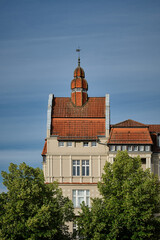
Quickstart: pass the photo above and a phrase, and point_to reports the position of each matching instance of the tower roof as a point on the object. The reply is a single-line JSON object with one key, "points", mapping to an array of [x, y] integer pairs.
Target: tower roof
{"points": [[79, 72]]}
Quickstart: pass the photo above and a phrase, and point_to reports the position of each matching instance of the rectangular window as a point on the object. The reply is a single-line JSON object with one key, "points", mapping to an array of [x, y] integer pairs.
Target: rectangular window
{"points": [[76, 167], [135, 148], [118, 148], [124, 147], [75, 228], [61, 144], [80, 196], [129, 148], [85, 167], [93, 144], [141, 148], [112, 148], [69, 144], [85, 144], [147, 148], [143, 160]]}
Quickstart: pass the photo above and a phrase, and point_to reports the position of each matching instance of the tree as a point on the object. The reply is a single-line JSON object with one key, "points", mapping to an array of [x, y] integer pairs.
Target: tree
{"points": [[32, 209], [130, 198]]}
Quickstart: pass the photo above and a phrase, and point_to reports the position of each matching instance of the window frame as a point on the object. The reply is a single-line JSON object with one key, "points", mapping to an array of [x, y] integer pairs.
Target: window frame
{"points": [[68, 144], [78, 198], [141, 148], [85, 144], [112, 148], [61, 144], [130, 148], [85, 168], [92, 144], [75, 168]]}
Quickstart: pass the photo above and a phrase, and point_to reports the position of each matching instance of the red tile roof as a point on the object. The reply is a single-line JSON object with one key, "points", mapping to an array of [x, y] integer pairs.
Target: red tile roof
{"points": [[129, 123], [78, 129], [44, 148], [154, 128], [63, 107], [78, 123], [130, 136]]}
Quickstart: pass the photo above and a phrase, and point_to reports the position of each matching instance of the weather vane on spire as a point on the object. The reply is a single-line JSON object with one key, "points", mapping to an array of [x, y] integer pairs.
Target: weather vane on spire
{"points": [[78, 50]]}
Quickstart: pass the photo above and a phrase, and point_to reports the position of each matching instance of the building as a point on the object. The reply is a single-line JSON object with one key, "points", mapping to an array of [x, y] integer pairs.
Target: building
{"points": [[80, 140]]}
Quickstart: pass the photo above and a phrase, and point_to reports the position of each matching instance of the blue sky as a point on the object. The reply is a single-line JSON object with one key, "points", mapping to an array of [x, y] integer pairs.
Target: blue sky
{"points": [[120, 42]]}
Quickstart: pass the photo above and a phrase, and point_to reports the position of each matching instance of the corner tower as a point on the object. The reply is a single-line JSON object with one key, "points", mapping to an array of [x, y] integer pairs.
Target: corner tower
{"points": [[79, 87]]}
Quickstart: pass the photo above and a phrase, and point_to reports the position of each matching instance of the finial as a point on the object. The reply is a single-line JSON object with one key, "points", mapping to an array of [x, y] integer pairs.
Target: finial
{"points": [[78, 50]]}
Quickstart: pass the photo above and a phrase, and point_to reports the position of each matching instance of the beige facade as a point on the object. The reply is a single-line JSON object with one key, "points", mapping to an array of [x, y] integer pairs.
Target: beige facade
{"points": [[76, 159]]}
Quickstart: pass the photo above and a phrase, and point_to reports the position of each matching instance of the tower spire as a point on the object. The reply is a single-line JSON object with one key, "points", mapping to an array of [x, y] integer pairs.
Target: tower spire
{"points": [[78, 50]]}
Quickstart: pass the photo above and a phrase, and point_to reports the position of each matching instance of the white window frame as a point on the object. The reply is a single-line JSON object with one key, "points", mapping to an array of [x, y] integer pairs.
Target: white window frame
{"points": [[135, 147], [85, 144], [112, 148], [79, 196], [85, 168], [93, 144], [141, 148], [147, 148], [69, 144], [124, 147], [130, 148], [60, 144], [76, 168], [118, 148]]}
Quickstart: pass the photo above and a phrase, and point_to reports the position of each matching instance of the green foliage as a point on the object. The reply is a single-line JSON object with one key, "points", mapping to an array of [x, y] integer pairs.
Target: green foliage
{"points": [[32, 209], [130, 197]]}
